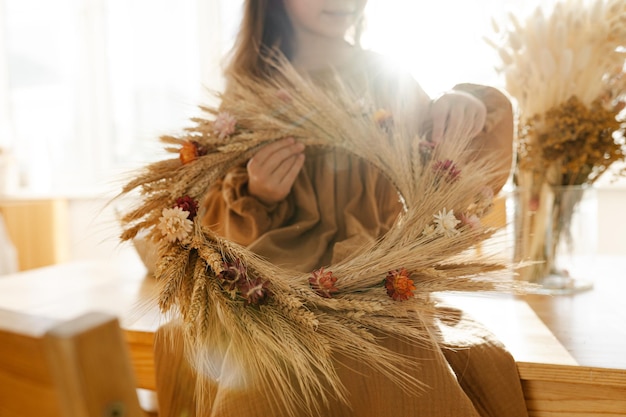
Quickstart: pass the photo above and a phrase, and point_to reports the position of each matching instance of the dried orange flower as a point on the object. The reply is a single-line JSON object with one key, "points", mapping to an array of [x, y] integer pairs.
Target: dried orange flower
{"points": [[190, 151], [399, 286], [383, 118], [323, 282]]}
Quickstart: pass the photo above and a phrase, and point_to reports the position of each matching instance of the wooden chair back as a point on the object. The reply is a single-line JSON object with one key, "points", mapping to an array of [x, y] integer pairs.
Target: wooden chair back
{"points": [[74, 368]]}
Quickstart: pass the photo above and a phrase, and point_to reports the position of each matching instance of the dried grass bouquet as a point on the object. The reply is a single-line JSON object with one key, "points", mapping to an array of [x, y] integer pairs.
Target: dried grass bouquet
{"points": [[564, 65]]}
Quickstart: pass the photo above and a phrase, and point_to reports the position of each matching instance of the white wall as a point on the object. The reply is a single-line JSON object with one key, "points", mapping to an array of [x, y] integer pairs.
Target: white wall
{"points": [[94, 229], [611, 223]]}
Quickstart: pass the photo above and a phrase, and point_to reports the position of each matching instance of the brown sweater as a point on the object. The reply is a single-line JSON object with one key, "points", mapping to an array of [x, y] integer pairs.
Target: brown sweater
{"points": [[338, 202]]}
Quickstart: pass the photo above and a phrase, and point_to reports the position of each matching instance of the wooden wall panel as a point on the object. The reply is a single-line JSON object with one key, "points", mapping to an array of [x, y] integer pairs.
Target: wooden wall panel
{"points": [[39, 230]]}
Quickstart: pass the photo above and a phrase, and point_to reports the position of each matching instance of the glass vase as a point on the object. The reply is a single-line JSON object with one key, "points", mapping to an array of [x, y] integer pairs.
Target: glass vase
{"points": [[555, 232]]}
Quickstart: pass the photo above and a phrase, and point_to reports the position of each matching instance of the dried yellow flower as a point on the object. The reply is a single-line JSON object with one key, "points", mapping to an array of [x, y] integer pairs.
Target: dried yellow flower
{"points": [[581, 141]]}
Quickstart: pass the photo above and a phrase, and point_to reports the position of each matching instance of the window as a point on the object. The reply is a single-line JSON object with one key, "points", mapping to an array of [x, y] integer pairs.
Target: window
{"points": [[86, 86], [440, 43]]}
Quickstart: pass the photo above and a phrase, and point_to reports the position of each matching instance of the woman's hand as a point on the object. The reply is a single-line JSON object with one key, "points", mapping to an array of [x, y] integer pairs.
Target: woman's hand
{"points": [[273, 170], [457, 113]]}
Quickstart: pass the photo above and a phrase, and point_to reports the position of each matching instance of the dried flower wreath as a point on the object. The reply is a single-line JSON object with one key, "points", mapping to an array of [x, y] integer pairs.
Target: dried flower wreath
{"points": [[281, 325]]}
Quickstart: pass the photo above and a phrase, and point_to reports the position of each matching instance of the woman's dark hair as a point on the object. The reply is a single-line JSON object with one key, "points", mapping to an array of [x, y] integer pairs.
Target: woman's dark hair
{"points": [[265, 27], [265, 30]]}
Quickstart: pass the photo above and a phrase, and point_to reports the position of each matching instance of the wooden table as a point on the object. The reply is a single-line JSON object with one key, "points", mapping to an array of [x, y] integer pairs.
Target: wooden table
{"points": [[591, 325], [575, 364]]}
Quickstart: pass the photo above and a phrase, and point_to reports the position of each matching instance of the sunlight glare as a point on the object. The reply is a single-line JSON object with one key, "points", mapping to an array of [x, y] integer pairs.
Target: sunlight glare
{"points": [[440, 43]]}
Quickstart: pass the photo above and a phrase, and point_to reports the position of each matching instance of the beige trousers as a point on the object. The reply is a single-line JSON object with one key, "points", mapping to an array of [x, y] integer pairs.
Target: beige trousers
{"points": [[469, 374]]}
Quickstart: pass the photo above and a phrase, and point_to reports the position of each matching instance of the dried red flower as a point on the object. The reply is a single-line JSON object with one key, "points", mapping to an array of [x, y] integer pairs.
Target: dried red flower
{"points": [[189, 205], [232, 273], [255, 291], [447, 170], [398, 285], [323, 283]]}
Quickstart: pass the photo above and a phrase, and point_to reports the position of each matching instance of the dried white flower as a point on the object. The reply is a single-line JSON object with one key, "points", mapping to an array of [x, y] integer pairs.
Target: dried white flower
{"points": [[429, 231], [174, 224], [225, 124], [446, 223]]}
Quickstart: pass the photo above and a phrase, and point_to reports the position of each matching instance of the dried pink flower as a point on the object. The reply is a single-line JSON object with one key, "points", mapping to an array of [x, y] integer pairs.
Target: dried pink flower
{"points": [[323, 283], [447, 170], [225, 124], [283, 95], [471, 220], [486, 193]]}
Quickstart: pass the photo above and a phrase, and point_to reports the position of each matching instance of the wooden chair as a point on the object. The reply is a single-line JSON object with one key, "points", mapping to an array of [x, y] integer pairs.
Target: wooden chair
{"points": [[75, 368]]}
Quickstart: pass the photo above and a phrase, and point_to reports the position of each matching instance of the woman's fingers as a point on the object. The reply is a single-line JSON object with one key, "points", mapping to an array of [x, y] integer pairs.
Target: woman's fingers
{"points": [[439, 115], [292, 171], [274, 168], [457, 113], [271, 156], [479, 120], [457, 123]]}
